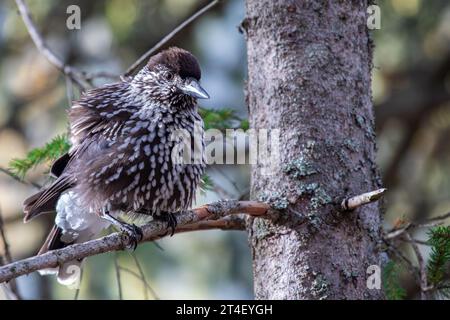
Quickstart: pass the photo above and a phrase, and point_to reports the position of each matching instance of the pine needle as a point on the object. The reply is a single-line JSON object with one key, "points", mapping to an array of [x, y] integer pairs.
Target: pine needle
{"points": [[51, 151], [222, 119], [439, 259], [391, 281]]}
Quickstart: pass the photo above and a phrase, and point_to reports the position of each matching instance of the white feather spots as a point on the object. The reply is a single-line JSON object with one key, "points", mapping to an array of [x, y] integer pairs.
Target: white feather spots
{"points": [[115, 176], [147, 150], [124, 145], [132, 169], [137, 133], [153, 162], [151, 175]]}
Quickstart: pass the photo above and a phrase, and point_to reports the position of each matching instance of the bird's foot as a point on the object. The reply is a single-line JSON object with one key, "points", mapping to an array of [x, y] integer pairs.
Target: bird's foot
{"points": [[171, 220], [132, 232]]}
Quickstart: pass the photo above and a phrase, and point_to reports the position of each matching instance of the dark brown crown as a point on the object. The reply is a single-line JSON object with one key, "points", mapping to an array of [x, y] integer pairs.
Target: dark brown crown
{"points": [[178, 60]]}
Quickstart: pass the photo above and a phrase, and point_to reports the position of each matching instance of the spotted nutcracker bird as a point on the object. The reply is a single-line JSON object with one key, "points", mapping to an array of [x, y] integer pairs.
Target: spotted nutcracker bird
{"points": [[121, 160]]}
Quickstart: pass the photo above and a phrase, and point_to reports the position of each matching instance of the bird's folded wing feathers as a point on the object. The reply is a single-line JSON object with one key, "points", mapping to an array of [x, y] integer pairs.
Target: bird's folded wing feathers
{"points": [[99, 111], [45, 200]]}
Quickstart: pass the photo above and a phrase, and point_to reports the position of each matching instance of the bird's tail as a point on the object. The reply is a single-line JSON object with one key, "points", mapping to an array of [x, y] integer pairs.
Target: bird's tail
{"points": [[68, 273], [73, 224]]}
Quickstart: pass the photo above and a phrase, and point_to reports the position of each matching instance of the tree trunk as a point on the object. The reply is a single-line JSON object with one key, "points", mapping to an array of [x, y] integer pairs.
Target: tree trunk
{"points": [[309, 68]]}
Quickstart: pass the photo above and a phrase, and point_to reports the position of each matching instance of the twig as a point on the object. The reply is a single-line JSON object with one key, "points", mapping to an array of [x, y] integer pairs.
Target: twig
{"points": [[394, 233], [119, 283], [421, 242], [69, 90], [12, 175], [412, 269], [141, 275], [72, 73], [146, 285], [439, 218], [432, 222], [117, 241], [77, 290], [357, 201], [403, 234], [164, 40], [422, 267], [143, 279], [101, 74], [8, 258], [15, 177], [12, 287]]}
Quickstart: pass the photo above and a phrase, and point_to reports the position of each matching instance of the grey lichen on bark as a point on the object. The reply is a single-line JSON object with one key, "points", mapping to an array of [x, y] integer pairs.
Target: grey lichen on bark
{"points": [[309, 75]]}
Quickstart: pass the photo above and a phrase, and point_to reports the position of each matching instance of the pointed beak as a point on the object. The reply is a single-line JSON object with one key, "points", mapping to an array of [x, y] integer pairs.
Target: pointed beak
{"points": [[193, 88]]}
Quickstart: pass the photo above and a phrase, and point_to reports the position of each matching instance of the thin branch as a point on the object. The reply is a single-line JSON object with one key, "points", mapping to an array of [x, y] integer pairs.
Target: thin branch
{"points": [[422, 267], [354, 202], [119, 283], [394, 233], [439, 218], [142, 277], [100, 75], [432, 222], [15, 177], [403, 234], [417, 241], [117, 241], [12, 287], [7, 252], [164, 40], [12, 175], [77, 290], [146, 285], [412, 269], [77, 294], [69, 90], [76, 76]]}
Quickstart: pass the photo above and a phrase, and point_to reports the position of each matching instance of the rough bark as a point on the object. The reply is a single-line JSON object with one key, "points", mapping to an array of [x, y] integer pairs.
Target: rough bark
{"points": [[309, 75]]}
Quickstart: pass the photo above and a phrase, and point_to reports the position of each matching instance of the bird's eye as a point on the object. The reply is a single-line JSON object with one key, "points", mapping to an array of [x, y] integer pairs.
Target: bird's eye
{"points": [[169, 76]]}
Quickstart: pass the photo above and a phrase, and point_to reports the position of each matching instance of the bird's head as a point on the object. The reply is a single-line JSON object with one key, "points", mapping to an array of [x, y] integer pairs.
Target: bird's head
{"points": [[173, 74]]}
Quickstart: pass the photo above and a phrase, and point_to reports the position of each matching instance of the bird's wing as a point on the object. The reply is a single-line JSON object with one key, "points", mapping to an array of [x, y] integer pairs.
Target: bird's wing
{"points": [[60, 165], [100, 111], [45, 200]]}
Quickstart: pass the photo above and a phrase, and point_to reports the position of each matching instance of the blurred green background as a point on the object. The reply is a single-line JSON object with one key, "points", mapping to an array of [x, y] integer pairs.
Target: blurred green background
{"points": [[411, 93]]}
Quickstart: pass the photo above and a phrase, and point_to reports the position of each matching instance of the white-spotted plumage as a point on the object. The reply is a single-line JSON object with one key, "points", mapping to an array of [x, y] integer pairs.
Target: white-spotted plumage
{"points": [[125, 153]]}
